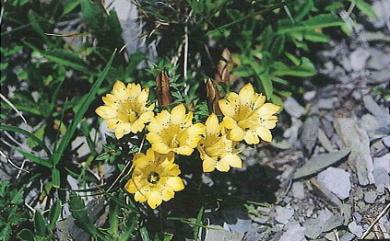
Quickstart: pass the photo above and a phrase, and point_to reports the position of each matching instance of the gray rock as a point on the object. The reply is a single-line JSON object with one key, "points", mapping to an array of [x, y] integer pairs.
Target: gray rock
{"points": [[293, 108], [379, 59], [379, 76], [370, 197], [298, 190], [381, 113], [347, 237], [324, 140], [382, 11], [319, 163], [284, 214], [309, 95], [292, 133], [356, 229], [217, 233], [358, 59], [327, 104], [381, 172], [294, 232], [386, 141], [325, 222], [356, 138], [310, 132], [81, 144], [241, 226], [336, 180], [357, 216]]}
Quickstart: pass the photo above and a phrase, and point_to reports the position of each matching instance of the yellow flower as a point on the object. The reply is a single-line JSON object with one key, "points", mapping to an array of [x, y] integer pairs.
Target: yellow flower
{"points": [[174, 132], [155, 178], [216, 151], [247, 116], [125, 109]]}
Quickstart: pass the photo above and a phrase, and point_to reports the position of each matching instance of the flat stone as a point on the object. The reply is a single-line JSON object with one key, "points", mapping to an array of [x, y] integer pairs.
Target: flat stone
{"points": [[284, 214], [324, 140], [337, 181], [298, 190], [309, 95], [356, 229], [217, 233], [370, 197], [358, 59], [347, 237], [325, 222], [386, 141], [293, 108], [356, 138], [310, 133], [319, 163], [294, 232], [381, 172]]}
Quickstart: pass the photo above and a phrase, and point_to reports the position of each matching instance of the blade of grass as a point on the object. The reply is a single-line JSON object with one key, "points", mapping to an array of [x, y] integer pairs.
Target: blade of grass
{"points": [[28, 134], [33, 158], [80, 113]]}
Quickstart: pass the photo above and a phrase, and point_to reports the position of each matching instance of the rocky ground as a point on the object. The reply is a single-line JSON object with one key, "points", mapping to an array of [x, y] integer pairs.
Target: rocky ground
{"points": [[333, 162], [326, 176]]}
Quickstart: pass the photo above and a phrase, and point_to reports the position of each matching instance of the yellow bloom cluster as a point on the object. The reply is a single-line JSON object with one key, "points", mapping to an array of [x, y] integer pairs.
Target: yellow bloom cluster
{"points": [[155, 177]]}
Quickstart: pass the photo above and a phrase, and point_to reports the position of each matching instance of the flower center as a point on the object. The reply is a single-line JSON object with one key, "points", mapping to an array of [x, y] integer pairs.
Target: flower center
{"points": [[153, 177]]}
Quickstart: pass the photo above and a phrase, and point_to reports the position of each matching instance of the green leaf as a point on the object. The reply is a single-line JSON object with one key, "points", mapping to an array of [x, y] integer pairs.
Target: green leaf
{"points": [[80, 113], [304, 69], [319, 21], [316, 37], [55, 212], [199, 223], [70, 6], [365, 8], [26, 235], [55, 178], [28, 134], [267, 84], [39, 134], [277, 46], [39, 224], [304, 9], [144, 234], [93, 14], [77, 208], [33, 18], [68, 59]]}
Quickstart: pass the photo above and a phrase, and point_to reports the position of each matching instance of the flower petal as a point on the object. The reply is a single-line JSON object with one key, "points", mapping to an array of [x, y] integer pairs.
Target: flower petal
{"points": [[212, 125], [236, 134], [119, 90], [233, 160], [251, 137], [154, 199], [264, 134], [184, 150], [223, 166], [246, 94], [178, 114], [130, 186], [229, 122], [106, 112], [139, 197], [176, 183], [167, 194], [227, 108], [122, 129], [268, 109], [209, 165]]}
